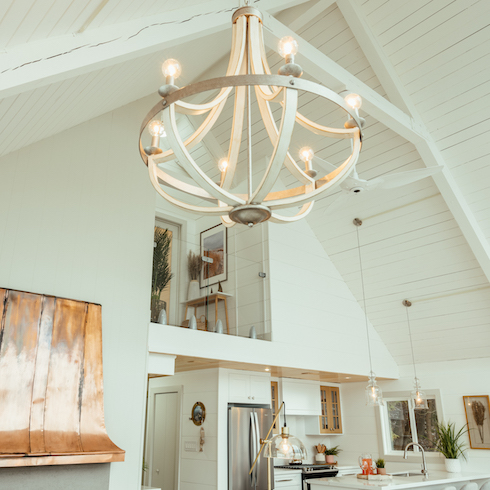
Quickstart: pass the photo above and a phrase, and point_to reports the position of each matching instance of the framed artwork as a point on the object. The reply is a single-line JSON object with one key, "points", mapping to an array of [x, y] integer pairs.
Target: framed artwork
{"points": [[477, 409], [214, 245]]}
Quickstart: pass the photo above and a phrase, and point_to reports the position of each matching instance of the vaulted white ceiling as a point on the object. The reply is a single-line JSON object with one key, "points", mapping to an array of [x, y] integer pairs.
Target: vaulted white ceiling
{"points": [[422, 69]]}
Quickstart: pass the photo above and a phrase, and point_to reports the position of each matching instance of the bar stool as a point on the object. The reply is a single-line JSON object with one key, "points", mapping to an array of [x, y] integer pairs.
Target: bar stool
{"points": [[470, 486]]}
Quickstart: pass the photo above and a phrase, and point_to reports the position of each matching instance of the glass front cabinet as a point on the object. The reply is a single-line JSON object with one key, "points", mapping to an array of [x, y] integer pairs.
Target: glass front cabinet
{"points": [[330, 421]]}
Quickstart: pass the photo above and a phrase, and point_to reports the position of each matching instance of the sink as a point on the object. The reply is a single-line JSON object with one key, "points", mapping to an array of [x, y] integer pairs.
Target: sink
{"points": [[408, 473]]}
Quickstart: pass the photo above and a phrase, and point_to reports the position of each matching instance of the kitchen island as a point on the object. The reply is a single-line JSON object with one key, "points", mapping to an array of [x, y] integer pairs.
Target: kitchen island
{"points": [[437, 480]]}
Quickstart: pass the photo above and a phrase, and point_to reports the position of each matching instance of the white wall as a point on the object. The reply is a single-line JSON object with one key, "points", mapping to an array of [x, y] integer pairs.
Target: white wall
{"points": [[76, 220], [198, 470], [312, 307]]}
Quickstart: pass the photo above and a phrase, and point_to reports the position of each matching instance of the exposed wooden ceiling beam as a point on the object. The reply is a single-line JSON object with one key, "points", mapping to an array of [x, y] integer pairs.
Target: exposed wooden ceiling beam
{"points": [[40, 63], [426, 147]]}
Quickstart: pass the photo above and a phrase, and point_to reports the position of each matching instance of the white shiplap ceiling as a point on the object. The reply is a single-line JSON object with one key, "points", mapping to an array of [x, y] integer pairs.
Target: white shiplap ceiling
{"points": [[428, 56]]}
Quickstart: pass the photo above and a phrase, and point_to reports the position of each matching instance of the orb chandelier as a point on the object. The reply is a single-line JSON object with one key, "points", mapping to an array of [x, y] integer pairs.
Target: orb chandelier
{"points": [[248, 68]]}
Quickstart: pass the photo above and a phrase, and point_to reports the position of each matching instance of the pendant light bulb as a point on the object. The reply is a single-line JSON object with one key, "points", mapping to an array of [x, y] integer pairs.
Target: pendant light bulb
{"points": [[374, 394], [418, 397]]}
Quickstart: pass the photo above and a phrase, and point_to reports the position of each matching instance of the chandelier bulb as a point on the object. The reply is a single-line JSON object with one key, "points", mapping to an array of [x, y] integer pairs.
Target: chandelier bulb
{"points": [[155, 128], [354, 101], [223, 164], [306, 154], [171, 68], [287, 46]]}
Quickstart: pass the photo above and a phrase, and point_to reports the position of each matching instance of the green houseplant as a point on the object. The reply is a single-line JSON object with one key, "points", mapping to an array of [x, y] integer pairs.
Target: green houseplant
{"points": [[161, 272], [450, 445], [331, 452], [380, 465]]}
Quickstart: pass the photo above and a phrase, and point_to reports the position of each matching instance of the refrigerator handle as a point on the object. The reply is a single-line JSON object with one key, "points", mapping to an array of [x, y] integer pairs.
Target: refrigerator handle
{"points": [[257, 469], [253, 448]]}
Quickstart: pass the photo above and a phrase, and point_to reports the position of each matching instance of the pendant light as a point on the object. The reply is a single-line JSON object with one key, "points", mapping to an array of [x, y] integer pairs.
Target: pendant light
{"points": [[418, 397], [374, 395]]}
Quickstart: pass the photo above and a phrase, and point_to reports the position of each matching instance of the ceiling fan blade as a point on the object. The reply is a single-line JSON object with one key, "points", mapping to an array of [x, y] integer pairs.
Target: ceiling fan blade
{"points": [[323, 164], [403, 178], [342, 198]]}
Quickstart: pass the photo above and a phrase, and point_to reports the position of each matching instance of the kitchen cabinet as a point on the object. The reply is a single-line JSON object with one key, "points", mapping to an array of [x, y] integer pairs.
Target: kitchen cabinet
{"points": [[301, 397], [330, 419], [287, 480], [249, 388]]}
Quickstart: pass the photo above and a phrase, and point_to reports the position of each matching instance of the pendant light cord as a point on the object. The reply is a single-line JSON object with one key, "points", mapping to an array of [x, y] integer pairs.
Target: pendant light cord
{"points": [[364, 299], [411, 343]]}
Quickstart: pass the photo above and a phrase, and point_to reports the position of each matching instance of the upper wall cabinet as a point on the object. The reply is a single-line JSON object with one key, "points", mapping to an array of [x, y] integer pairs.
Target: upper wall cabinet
{"points": [[301, 397], [330, 419], [249, 388]]}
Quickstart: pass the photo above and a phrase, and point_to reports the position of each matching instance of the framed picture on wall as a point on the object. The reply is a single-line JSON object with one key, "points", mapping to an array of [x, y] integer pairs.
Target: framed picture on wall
{"points": [[214, 245], [477, 409]]}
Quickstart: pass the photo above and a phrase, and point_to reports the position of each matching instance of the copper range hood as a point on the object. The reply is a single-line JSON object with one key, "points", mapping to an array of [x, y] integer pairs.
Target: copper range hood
{"points": [[51, 383]]}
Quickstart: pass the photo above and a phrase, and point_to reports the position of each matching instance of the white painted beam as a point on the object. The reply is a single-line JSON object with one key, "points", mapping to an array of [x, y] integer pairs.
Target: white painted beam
{"points": [[296, 22], [40, 63], [376, 56], [426, 147], [337, 78]]}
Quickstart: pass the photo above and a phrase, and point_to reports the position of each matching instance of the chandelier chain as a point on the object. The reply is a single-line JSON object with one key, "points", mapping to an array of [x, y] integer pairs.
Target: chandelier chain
{"points": [[364, 298]]}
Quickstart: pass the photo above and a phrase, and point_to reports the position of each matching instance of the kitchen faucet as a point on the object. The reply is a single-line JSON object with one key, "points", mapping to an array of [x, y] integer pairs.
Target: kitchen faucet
{"points": [[425, 472]]}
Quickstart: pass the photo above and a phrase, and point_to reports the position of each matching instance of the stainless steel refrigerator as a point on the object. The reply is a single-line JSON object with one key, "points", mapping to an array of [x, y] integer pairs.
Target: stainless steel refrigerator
{"points": [[247, 424]]}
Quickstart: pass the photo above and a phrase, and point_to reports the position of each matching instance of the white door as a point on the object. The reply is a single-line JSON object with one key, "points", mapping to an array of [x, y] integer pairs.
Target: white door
{"points": [[165, 441]]}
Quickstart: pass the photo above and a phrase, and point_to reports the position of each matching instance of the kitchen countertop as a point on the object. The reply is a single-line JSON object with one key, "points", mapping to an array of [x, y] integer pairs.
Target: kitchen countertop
{"points": [[398, 483]]}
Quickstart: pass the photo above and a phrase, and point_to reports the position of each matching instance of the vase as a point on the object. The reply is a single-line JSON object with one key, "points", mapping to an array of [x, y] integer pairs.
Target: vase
{"points": [[193, 290], [453, 465], [330, 458], [192, 323], [219, 327], [162, 317], [253, 333], [381, 471], [320, 458]]}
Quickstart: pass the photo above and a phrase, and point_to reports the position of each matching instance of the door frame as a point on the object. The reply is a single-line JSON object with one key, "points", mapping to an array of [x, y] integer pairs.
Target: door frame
{"points": [[152, 392]]}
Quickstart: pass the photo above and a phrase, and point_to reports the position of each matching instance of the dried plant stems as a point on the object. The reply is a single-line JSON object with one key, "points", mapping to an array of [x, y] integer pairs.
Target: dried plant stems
{"points": [[194, 265], [479, 415]]}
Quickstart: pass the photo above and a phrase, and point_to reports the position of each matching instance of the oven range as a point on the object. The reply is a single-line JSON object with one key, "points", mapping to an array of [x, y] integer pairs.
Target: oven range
{"points": [[310, 471]]}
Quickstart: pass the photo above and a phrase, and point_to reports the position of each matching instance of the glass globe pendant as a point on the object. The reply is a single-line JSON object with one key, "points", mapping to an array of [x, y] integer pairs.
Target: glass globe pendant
{"points": [[286, 446]]}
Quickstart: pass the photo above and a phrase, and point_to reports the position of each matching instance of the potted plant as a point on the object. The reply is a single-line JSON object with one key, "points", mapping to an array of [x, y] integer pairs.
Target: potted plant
{"points": [[380, 465], [194, 264], [161, 274], [449, 444], [330, 453]]}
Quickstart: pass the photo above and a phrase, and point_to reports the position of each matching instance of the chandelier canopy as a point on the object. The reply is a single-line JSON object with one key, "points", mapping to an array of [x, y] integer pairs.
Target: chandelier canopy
{"points": [[247, 68]]}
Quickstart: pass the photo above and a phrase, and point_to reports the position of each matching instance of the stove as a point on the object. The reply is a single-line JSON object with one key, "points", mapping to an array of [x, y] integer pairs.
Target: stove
{"points": [[310, 471]]}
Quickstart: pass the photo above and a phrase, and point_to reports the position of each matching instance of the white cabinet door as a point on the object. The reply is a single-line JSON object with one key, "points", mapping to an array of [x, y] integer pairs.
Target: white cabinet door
{"points": [[239, 388], [260, 389], [301, 397]]}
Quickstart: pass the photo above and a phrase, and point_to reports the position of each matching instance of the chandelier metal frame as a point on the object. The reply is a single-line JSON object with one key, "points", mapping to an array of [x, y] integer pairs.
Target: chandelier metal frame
{"points": [[248, 67]]}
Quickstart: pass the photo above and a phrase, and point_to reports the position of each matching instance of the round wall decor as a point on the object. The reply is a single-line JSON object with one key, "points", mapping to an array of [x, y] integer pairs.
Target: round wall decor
{"points": [[198, 414]]}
